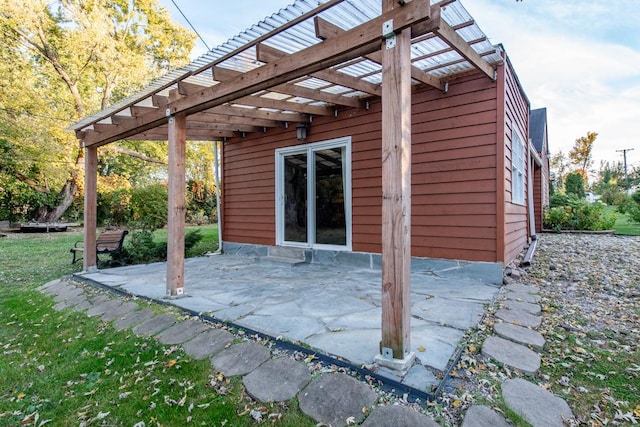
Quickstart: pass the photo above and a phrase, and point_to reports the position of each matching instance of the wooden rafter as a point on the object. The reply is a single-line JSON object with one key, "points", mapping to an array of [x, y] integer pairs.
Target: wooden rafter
{"points": [[453, 39], [326, 30], [268, 54], [253, 113], [359, 41], [224, 75]]}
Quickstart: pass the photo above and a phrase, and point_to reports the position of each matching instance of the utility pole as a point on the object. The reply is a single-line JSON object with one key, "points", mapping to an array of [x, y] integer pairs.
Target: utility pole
{"points": [[626, 176]]}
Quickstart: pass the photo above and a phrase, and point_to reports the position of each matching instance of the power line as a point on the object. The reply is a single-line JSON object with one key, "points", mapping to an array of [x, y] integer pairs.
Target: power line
{"points": [[191, 25]]}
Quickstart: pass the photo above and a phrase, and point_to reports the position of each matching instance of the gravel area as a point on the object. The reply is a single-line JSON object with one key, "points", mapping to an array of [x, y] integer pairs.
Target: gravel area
{"points": [[590, 289]]}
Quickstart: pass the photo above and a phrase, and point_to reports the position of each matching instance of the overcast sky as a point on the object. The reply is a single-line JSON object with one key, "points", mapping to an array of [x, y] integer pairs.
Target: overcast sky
{"points": [[578, 58]]}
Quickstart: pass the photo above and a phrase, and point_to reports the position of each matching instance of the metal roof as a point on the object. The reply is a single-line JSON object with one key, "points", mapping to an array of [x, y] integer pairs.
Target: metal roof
{"points": [[538, 127], [429, 53]]}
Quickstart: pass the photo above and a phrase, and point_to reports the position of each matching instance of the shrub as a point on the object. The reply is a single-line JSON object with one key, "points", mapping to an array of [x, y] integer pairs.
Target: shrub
{"points": [[114, 207], [613, 195], [558, 199], [574, 184], [579, 214], [142, 249], [149, 206]]}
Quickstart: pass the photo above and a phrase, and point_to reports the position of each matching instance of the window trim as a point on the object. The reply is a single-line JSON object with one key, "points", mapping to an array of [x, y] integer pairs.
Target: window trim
{"points": [[309, 149], [518, 168]]}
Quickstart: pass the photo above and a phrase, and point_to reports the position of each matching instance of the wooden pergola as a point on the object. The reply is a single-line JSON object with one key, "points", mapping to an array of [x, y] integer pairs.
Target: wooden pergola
{"points": [[281, 81]]}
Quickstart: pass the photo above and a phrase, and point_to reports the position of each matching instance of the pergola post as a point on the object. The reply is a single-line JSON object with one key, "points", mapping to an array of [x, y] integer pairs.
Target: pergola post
{"points": [[396, 197], [90, 206], [176, 216]]}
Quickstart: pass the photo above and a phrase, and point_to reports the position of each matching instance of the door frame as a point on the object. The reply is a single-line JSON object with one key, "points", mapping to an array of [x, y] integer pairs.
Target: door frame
{"points": [[309, 149]]}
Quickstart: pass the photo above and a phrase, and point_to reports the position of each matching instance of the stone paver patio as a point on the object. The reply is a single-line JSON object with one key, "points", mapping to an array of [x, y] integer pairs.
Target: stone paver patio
{"points": [[335, 309]]}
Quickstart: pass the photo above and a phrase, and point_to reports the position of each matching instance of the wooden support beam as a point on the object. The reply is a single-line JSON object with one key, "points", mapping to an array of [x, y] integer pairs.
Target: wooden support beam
{"points": [[325, 30], [453, 39], [161, 133], [297, 107], [119, 120], [297, 90], [396, 195], [268, 54], [356, 42], [177, 208], [138, 111], [90, 207], [209, 117], [188, 89]]}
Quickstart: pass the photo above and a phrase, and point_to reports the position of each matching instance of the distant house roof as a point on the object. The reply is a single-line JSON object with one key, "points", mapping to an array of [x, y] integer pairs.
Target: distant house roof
{"points": [[538, 127]]}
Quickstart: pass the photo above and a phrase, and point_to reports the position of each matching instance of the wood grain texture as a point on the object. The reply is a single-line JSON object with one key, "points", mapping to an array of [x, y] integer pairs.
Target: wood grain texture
{"points": [[90, 207], [177, 208]]}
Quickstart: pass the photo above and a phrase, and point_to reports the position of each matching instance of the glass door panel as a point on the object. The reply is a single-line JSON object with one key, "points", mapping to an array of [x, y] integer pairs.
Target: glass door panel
{"points": [[295, 198], [330, 216]]}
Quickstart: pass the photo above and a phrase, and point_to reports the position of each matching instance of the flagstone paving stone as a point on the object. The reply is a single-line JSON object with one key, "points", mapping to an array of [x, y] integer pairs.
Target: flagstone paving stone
{"points": [[512, 354], [70, 302], [100, 309], [277, 380], [333, 398], [519, 317], [240, 359], [523, 296], [181, 332], [536, 405], [528, 307], [520, 335], [120, 311], [208, 343], [68, 293], [155, 325], [483, 416], [133, 319]]}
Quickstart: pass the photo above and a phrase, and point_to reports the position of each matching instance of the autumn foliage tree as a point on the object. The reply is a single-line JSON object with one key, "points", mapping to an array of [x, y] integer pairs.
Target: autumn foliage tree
{"points": [[581, 154], [61, 61]]}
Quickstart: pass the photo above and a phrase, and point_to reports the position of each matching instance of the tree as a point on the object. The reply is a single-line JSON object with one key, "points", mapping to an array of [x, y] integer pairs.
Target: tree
{"points": [[581, 153], [559, 165], [574, 184], [63, 60]]}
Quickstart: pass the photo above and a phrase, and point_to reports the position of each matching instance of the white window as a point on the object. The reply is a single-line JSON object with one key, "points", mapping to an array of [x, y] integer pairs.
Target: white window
{"points": [[313, 195], [518, 157]]}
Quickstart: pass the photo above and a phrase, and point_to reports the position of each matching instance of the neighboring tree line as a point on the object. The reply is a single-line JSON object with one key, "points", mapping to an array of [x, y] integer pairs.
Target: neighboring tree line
{"points": [[63, 60], [568, 207]]}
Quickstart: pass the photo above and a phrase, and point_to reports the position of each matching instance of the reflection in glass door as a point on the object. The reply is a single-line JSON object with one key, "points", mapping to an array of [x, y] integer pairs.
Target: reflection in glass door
{"points": [[295, 198], [314, 195], [330, 219]]}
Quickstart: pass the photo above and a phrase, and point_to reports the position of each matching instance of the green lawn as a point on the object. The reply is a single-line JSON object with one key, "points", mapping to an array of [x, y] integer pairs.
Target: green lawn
{"points": [[623, 224], [64, 368]]}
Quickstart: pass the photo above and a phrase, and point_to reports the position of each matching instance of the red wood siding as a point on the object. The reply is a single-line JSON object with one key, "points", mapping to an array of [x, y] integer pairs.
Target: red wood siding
{"points": [[453, 174], [516, 117]]}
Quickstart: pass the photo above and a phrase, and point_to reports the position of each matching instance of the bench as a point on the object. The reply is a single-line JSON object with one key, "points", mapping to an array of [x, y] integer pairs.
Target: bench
{"points": [[108, 242]]}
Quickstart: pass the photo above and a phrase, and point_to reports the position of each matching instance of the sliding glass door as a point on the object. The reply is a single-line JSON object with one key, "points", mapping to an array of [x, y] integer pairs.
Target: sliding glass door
{"points": [[313, 195]]}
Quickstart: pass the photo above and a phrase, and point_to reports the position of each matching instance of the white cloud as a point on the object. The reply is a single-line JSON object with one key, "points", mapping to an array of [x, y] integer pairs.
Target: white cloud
{"points": [[568, 61]]}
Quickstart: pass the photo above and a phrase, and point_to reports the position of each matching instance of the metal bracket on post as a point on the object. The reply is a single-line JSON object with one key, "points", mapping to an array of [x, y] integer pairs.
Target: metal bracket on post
{"points": [[388, 34], [387, 353], [167, 112]]}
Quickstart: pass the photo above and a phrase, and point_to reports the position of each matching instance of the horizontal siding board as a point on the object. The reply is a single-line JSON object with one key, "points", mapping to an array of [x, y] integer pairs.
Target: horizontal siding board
{"points": [[453, 173]]}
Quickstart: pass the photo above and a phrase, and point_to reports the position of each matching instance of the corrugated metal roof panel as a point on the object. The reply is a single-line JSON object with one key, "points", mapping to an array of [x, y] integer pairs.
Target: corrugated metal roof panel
{"points": [[347, 14]]}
